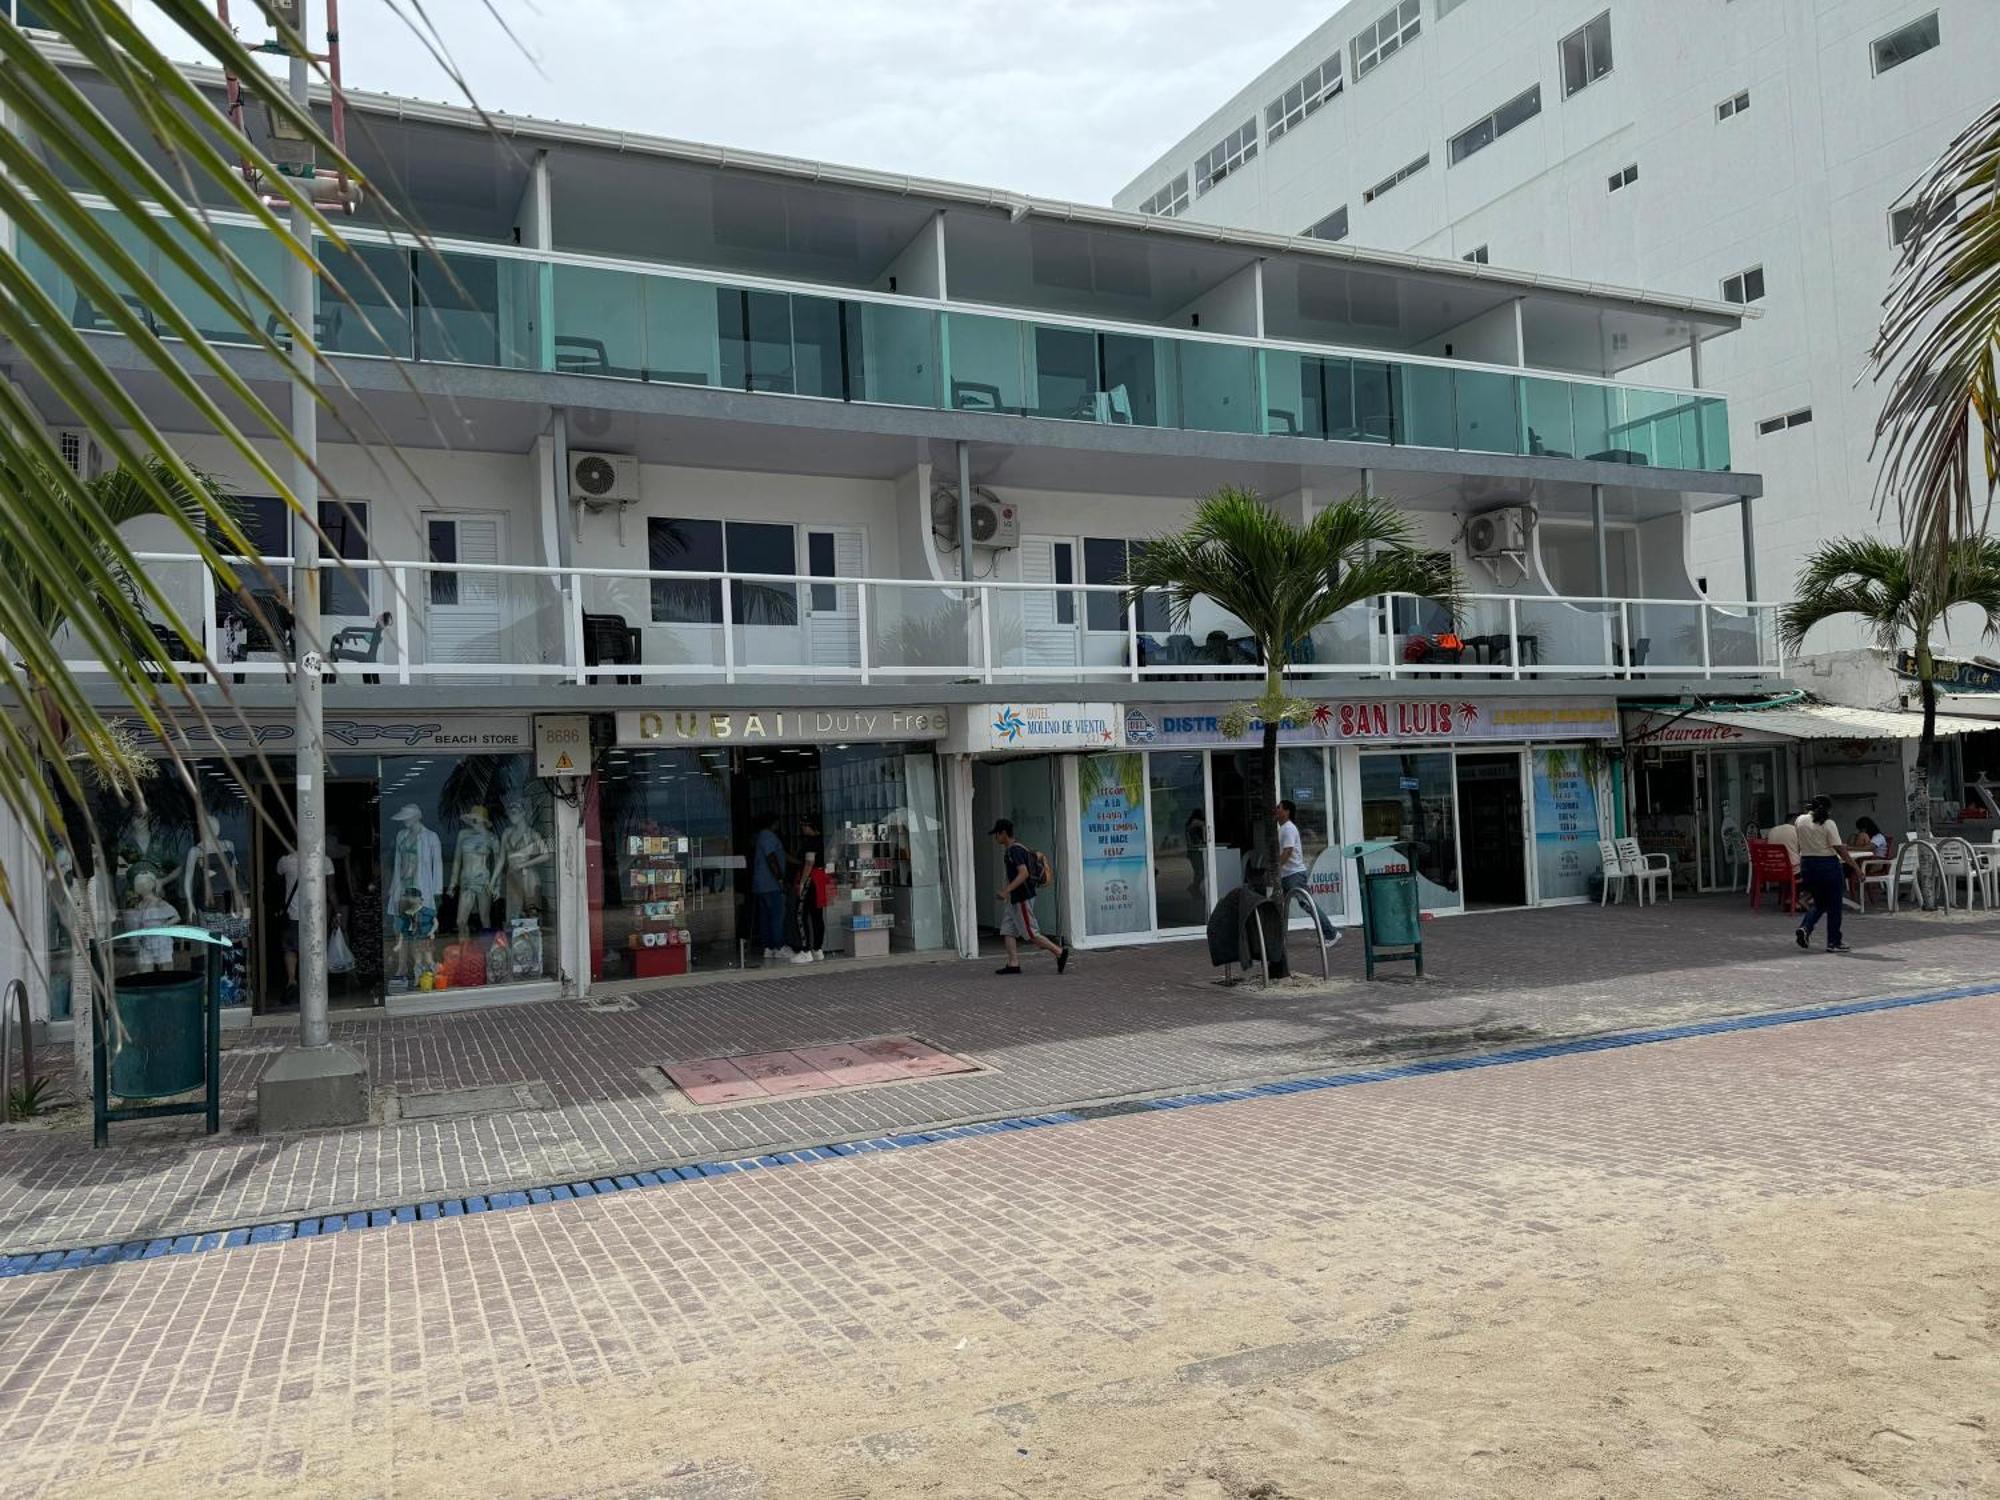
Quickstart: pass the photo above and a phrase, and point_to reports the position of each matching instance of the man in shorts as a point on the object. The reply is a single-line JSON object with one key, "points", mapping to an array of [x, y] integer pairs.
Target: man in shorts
{"points": [[1017, 901]]}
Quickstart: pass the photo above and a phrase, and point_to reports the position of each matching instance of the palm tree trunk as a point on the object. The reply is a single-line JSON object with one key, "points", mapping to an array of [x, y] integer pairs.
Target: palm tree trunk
{"points": [[1263, 815], [1930, 871]]}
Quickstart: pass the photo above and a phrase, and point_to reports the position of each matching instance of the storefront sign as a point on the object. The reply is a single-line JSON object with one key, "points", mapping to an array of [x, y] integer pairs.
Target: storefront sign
{"points": [[686, 726], [1033, 727], [562, 744], [1387, 721], [241, 734], [1116, 897], [1952, 676], [1566, 826], [1666, 729]]}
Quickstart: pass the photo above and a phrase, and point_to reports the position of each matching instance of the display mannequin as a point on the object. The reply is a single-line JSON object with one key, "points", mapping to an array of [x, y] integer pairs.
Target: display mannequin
{"points": [[475, 871], [523, 851], [415, 925], [149, 910], [139, 854], [211, 861], [416, 862]]}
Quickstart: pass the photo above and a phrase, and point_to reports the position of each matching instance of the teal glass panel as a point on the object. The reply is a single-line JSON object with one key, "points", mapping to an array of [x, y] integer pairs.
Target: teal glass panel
{"points": [[1131, 378], [1372, 401], [817, 364], [755, 329], [683, 346], [1065, 371], [1425, 410], [1219, 388], [458, 311], [1293, 401], [366, 308], [892, 354], [1551, 426], [986, 366], [1590, 405], [1712, 417], [600, 328], [1488, 416]]}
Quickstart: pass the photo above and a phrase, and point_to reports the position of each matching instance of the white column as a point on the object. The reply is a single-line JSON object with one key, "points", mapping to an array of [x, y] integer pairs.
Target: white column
{"points": [[572, 900]]}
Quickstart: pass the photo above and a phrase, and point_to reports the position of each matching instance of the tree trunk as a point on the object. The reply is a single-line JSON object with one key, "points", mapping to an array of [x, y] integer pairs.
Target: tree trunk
{"points": [[1265, 819], [1930, 870]]}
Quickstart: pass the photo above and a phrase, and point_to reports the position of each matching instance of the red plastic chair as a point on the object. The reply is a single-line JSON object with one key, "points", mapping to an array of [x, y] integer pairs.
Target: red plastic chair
{"points": [[1771, 865]]}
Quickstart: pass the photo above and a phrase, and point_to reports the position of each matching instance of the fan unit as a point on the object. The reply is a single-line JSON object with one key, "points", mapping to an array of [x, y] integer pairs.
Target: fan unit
{"points": [[995, 523], [1499, 533], [80, 451], [601, 480]]}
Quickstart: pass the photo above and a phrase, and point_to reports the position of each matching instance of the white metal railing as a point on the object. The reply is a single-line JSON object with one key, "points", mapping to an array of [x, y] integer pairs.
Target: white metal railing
{"points": [[631, 627]]}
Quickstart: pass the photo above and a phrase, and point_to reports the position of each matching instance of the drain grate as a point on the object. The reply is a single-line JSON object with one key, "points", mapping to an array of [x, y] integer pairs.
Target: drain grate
{"points": [[490, 1099], [749, 1077], [1111, 1111]]}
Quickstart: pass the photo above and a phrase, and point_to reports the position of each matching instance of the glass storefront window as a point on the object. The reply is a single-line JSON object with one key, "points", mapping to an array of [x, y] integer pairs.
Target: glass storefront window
{"points": [[1112, 795], [1302, 778], [663, 859], [1410, 798], [1176, 783]]}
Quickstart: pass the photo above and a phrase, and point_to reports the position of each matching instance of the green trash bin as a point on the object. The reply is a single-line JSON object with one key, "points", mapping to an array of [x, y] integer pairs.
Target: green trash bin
{"points": [[165, 1043], [1391, 911]]}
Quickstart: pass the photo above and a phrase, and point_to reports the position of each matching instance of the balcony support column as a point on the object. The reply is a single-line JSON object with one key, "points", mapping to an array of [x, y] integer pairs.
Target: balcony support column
{"points": [[1598, 541], [964, 510], [1749, 547]]}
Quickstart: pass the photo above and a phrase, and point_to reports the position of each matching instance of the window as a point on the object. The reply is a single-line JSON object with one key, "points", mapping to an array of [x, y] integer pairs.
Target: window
{"points": [[1744, 286], [1302, 98], [1477, 255], [1518, 110], [1395, 177], [1375, 45], [674, 545], [1904, 43], [1735, 105], [1170, 200], [1446, 7], [267, 526], [1624, 177], [1225, 156], [1797, 418], [1104, 561], [1904, 221], [1586, 54], [1332, 227]]}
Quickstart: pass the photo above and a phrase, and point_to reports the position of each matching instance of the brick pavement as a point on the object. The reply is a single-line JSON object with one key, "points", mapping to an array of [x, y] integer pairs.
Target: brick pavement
{"points": [[672, 1343], [1121, 1023]]}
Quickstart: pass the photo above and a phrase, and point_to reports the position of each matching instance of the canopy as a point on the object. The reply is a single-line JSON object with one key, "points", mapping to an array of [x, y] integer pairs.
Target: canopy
{"points": [[1832, 721]]}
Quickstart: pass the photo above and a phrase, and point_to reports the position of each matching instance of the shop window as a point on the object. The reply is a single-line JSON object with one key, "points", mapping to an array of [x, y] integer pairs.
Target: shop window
{"points": [[1412, 800], [1302, 780], [1112, 814]]}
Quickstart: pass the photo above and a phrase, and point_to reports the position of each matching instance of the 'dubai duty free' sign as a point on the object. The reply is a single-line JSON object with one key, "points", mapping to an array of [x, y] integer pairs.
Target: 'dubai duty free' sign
{"points": [[1386, 721], [695, 726]]}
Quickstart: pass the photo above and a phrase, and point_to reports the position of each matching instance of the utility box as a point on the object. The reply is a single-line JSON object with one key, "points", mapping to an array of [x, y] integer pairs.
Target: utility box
{"points": [[1391, 914]]}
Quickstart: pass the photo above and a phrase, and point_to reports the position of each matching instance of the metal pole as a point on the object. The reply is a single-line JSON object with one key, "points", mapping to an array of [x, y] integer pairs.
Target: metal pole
{"points": [[965, 512], [1597, 535], [1749, 548], [310, 784]]}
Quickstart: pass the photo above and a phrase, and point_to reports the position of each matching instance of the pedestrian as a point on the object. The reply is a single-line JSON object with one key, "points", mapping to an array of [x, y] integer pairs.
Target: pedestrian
{"points": [[1020, 879], [1292, 868], [767, 888], [1820, 859]]}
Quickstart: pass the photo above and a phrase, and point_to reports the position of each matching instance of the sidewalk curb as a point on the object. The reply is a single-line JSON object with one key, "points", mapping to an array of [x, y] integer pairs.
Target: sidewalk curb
{"points": [[312, 1226]]}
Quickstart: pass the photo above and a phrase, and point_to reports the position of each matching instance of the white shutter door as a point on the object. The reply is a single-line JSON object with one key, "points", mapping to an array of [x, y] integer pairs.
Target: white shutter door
{"points": [[465, 617], [1047, 641], [834, 633]]}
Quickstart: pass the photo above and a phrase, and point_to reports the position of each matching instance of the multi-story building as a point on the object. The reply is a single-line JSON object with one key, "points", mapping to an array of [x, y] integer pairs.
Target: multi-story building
{"points": [[1757, 152], [681, 439]]}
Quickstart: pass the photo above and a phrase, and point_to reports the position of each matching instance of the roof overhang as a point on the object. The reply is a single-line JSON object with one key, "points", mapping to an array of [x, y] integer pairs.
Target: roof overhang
{"points": [[1803, 721]]}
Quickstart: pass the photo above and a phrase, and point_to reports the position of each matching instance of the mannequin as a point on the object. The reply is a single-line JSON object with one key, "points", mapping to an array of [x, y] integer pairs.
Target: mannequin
{"points": [[523, 851], [415, 925], [139, 854], [148, 910], [475, 871], [212, 861], [416, 863]]}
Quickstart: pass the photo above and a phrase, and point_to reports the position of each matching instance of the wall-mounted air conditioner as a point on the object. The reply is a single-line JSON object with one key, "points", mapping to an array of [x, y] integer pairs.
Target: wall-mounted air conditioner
{"points": [[601, 482], [995, 523]]}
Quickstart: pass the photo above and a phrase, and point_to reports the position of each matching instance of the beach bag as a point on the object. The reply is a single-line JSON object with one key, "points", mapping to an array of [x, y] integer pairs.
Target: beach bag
{"points": [[339, 956]]}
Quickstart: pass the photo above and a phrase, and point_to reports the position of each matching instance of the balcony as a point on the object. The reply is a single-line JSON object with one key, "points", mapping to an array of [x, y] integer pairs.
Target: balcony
{"points": [[574, 315], [638, 630]]}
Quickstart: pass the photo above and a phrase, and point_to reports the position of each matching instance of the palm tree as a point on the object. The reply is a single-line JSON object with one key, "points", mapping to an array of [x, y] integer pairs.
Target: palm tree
{"points": [[1939, 340], [1903, 599], [1283, 581]]}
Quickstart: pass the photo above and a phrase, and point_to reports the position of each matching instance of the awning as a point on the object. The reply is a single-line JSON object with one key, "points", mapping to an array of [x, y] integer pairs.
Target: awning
{"points": [[1804, 721]]}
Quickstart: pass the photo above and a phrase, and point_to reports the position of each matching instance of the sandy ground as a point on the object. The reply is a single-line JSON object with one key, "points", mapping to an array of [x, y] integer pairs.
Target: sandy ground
{"points": [[1845, 1347]]}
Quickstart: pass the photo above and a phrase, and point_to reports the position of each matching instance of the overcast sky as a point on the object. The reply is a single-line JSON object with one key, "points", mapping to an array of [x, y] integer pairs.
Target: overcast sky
{"points": [[1065, 100]]}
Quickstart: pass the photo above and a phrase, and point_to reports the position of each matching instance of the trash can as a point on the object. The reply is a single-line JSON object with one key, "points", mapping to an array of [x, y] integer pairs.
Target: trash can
{"points": [[1391, 912], [166, 1035]]}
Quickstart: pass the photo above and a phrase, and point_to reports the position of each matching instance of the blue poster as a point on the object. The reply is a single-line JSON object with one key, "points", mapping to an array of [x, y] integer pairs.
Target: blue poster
{"points": [[1117, 897], [1566, 831]]}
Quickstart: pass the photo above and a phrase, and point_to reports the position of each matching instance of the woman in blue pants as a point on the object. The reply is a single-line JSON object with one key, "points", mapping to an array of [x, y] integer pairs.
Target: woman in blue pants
{"points": [[1821, 856]]}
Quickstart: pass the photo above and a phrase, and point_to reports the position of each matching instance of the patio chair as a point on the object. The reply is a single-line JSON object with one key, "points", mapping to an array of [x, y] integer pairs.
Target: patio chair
{"points": [[1960, 863], [1646, 869], [1771, 867], [1614, 872], [362, 643], [609, 641], [1891, 875]]}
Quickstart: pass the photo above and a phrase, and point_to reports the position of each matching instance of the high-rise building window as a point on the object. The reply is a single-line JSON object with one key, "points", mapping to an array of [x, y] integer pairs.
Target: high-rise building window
{"points": [[1797, 418], [1624, 177], [1446, 7], [1332, 227], [1477, 255], [1302, 98], [1396, 29], [1480, 134], [1395, 177], [1225, 156], [1904, 43], [1735, 104], [1744, 286], [1586, 54], [1169, 201]]}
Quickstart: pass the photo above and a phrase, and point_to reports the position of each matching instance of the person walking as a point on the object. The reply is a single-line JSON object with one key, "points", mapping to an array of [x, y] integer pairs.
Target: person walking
{"points": [[767, 888], [1821, 856], [1292, 873], [1017, 901]]}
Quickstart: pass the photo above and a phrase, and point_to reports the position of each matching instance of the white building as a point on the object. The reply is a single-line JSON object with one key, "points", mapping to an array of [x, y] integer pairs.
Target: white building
{"points": [[1746, 150]]}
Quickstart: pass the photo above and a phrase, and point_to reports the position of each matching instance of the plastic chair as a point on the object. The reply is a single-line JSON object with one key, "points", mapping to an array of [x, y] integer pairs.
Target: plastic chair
{"points": [[1890, 874], [1614, 871], [1960, 863], [1646, 869], [1771, 866]]}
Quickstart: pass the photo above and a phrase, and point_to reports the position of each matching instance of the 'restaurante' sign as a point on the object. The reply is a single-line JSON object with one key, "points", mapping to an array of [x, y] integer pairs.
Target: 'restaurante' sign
{"points": [[1387, 721]]}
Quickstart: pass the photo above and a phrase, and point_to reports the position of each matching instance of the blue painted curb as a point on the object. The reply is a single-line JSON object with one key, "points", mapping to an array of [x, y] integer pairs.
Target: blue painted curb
{"points": [[318, 1226]]}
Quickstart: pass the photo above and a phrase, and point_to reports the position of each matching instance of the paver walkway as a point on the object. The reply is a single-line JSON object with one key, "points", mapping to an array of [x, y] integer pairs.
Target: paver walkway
{"points": [[1756, 1263], [584, 1095]]}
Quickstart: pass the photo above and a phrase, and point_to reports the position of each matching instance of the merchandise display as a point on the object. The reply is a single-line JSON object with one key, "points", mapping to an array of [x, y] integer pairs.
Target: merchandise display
{"points": [[656, 892]]}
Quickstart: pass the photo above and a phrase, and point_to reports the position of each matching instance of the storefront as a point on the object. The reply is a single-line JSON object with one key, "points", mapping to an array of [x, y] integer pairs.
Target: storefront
{"points": [[675, 870]]}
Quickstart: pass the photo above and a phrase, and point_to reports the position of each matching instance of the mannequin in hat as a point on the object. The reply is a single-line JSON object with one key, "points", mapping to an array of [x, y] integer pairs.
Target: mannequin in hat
{"points": [[475, 870], [416, 862]]}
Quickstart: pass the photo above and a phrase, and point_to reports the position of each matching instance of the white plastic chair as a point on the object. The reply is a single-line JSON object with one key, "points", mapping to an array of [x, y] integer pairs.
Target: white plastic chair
{"points": [[1646, 869], [1961, 863], [1749, 875], [1891, 875], [1614, 871]]}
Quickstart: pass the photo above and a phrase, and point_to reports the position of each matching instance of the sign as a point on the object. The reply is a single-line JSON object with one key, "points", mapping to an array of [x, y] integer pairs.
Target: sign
{"points": [[1031, 728], [1952, 676], [1566, 826], [562, 744], [1387, 721], [464, 734], [686, 726], [1116, 895], [1655, 730]]}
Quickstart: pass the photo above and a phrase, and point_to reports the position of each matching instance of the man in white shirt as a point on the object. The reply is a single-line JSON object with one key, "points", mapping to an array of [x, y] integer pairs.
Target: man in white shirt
{"points": [[1292, 867]]}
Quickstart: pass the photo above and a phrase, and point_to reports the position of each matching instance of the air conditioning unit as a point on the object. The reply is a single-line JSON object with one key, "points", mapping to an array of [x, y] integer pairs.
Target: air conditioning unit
{"points": [[602, 480], [80, 451], [995, 523], [1499, 533]]}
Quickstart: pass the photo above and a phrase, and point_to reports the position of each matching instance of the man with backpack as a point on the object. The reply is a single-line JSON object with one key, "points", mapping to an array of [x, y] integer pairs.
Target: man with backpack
{"points": [[1023, 873]]}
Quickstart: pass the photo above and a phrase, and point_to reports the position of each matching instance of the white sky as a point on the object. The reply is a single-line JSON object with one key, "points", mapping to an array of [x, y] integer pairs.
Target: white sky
{"points": [[1066, 100]]}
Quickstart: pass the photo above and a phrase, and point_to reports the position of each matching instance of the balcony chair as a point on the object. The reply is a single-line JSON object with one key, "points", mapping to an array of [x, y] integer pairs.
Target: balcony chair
{"points": [[1282, 423], [258, 613], [166, 645], [1771, 866], [362, 643], [326, 325], [609, 642], [1641, 649], [979, 395], [1647, 869]]}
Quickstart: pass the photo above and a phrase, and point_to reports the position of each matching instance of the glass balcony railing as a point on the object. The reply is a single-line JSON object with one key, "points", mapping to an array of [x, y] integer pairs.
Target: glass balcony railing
{"points": [[631, 323]]}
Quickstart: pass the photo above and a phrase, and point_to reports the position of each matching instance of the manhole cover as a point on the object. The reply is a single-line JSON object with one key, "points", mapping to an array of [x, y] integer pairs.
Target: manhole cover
{"points": [[493, 1099], [748, 1076]]}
